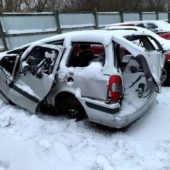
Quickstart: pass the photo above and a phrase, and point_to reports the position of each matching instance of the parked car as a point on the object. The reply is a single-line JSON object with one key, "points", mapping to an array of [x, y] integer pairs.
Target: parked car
{"points": [[101, 75], [160, 27]]}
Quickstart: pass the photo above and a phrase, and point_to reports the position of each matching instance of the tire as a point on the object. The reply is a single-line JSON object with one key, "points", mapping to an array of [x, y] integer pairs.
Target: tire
{"points": [[72, 107], [167, 80]]}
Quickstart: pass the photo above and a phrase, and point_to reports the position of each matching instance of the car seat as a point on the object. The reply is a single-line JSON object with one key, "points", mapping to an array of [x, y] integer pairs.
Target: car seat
{"points": [[84, 58]]}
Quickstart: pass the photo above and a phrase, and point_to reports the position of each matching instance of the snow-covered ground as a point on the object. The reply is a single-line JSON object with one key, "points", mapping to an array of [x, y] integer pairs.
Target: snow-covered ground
{"points": [[31, 142]]}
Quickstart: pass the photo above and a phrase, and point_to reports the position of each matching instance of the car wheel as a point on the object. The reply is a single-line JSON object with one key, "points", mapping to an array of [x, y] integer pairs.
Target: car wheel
{"points": [[72, 107], [167, 82]]}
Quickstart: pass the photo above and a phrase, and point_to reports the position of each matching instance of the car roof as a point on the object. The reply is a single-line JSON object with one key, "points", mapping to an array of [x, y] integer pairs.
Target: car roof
{"points": [[97, 36], [101, 36], [161, 25]]}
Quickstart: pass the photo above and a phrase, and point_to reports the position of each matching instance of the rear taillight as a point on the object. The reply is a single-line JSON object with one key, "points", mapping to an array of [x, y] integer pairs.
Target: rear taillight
{"points": [[115, 88]]}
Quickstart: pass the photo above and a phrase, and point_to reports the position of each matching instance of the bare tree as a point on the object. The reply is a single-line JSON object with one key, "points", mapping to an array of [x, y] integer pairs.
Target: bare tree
{"points": [[82, 5], [154, 5], [10, 5], [43, 5], [115, 5], [1, 5]]}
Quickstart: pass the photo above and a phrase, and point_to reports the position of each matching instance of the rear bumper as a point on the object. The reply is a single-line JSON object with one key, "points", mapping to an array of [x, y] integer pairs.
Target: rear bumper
{"points": [[109, 110], [111, 115]]}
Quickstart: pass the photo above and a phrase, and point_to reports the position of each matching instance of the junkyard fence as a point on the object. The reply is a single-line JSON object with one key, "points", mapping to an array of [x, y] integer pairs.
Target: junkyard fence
{"points": [[17, 28]]}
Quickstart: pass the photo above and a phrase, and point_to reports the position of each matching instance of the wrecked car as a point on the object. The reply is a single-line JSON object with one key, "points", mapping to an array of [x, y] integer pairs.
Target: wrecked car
{"points": [[100, 75]]}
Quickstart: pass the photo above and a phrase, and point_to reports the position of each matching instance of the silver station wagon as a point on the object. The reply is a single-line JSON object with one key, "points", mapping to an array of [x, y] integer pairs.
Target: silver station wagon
{"points": [[100, 75]]}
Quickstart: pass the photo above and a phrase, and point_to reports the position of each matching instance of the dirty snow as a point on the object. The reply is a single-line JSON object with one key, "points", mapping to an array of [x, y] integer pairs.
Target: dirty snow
{"points": [[41, 142]]}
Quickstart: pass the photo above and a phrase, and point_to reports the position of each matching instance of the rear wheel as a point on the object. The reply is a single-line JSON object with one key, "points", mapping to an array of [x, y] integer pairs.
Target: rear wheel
{"points": [[69, 105], [167, 82]]}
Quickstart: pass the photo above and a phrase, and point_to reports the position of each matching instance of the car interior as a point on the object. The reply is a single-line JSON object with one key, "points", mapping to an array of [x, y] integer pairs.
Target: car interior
{"points": [[42, 59], [8, 63], [84, 53]]}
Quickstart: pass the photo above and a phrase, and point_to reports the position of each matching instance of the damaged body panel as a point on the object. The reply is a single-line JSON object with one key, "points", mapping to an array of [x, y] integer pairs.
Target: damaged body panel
{"points": [[95, 74], [27, 85]]}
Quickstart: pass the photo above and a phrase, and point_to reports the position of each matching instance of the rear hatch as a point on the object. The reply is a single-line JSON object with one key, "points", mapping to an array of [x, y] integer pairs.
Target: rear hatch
{"points": [[141, 73], [151, 62]]}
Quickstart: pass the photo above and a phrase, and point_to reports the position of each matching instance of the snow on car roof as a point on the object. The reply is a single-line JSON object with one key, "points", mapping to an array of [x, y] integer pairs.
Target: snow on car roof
{"points": [[132, 30], [101, 36], [161, 24], [147, 21], [86, 36], [137, 22]]}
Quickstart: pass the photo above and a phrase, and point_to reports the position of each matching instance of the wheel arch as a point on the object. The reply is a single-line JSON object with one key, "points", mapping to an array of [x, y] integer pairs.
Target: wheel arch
{"points": [[64, 95]]}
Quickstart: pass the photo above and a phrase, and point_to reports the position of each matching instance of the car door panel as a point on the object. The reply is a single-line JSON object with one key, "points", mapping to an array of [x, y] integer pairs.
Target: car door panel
{"points": [[4, 88], [85, 69], [29, 90], [93, 84]]}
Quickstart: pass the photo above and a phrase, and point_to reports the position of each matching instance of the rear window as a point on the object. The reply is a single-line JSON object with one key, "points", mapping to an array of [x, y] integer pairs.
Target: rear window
{"points": [[151, 26], [140, 25]]}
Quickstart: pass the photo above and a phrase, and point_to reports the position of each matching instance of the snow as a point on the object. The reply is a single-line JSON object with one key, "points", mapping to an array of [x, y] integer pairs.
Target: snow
{"points": [[49, 29], [162, 25], [34, 142], [77, 26], [78, 93], [30, 31]]}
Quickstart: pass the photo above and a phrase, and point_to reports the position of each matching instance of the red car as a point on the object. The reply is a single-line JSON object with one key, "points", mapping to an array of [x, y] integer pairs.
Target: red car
{"points": [[165, 35]]}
